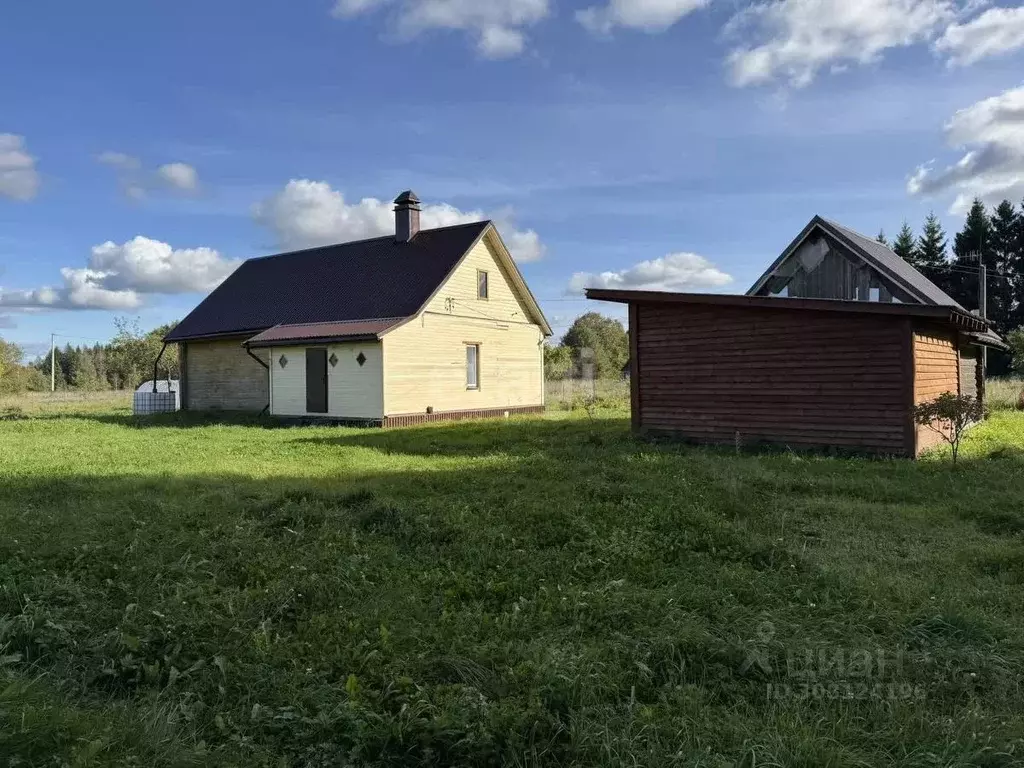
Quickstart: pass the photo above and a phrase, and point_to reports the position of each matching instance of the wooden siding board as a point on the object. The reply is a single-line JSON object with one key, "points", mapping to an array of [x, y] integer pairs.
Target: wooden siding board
{"points": [[426, 357], [353, 391], [426, 365], [634, 362], [936, 371], [709, 373]]}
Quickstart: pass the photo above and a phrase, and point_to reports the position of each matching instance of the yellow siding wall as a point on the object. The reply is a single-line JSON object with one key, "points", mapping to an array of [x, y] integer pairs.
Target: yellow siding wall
{"points": [[353, 392], [458, 296], [220, 376], [425, 365], [425, 359]]}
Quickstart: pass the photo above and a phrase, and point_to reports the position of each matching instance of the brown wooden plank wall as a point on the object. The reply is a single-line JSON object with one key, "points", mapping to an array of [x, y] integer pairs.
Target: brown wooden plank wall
{"points": [[936, 371], [718, 374]]}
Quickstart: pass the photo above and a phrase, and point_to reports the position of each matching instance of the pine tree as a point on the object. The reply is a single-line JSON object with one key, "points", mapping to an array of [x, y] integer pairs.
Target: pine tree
{"points": [[882, 238], [1016, 272], [905, 246], [932, 258], [972, 243], [1004, 244]]}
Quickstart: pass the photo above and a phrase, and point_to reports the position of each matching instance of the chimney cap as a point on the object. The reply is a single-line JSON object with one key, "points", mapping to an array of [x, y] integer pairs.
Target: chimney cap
{"points": [[407, 198]]}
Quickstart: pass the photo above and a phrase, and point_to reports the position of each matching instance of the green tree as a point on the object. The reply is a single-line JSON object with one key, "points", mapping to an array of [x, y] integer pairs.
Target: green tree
{"points": [[85, 375], [130, 358], [906, 245], [1016, 342], [1004, 245], [557, 362], [605, 337], [1015, 272], [932, 257], [10, 359], [882, 238], [972, 243]]}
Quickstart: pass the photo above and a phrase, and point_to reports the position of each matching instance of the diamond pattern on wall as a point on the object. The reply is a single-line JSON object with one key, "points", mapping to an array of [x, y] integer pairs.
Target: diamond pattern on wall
{"points": [[283, 361], [361, 359], [333, 360]]}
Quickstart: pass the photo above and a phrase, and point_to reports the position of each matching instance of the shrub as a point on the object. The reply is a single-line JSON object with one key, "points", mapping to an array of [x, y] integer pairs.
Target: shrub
{"points": [[950, 416]]}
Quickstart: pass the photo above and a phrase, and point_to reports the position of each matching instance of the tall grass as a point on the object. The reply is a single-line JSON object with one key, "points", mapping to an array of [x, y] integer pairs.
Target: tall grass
{"points": [[572, 394], [66, 401], [1004, 394], [543, 591]]}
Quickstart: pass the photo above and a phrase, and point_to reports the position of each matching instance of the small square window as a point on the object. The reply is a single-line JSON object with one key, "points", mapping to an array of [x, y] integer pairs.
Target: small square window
{"points": [[481, 284], [333, 360], [361, 359], [472, 366], [283, 362]]}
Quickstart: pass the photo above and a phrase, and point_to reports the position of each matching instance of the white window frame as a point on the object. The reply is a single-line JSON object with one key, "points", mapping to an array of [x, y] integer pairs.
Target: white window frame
{"points": [[472, 366]]}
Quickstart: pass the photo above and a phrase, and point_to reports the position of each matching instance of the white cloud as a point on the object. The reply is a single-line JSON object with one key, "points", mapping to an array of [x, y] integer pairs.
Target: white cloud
{"points": [[496, 26], [793, 40], [119, 160], [117, 276], [82, 289], [136, 182], [647, 15], [149, 266], [307, 213], [992, 168], [180, 176], [675, 272], [996, 31], [19, 179]]}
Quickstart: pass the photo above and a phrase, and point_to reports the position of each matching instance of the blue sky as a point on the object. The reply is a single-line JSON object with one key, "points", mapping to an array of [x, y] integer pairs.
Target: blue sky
{"points": [[146, 148]]}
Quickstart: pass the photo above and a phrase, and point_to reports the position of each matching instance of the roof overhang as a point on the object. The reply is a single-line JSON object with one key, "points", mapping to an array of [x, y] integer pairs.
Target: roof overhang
{"points": [[171, 338], [964, 321], [323, 333]]}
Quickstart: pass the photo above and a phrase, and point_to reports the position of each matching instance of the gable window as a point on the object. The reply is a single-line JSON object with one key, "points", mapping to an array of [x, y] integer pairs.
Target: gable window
{"points": [[481, 284], [472, 366]]}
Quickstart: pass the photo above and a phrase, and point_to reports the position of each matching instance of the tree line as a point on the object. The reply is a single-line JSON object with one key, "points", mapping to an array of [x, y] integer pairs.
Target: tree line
{"points": [[123, 363], [993, 238]]}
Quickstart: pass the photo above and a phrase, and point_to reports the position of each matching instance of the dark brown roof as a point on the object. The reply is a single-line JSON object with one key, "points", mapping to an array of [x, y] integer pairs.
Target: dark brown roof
{"points": [[953, 315], [873, 253], [363, 280], [322, 333]]}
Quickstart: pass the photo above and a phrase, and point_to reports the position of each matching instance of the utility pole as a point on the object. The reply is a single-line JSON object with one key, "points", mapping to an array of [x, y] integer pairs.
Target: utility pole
{"points": [[53, 363], [983, 306]]}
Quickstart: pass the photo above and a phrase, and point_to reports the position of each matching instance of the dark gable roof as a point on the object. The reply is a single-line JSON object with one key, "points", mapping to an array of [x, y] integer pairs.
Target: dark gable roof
{"points": [[888, 262], [873, 253], [364, 280]]}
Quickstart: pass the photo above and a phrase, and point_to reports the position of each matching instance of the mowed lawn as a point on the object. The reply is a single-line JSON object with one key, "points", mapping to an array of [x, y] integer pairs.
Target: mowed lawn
{"points": [[535, 592]]}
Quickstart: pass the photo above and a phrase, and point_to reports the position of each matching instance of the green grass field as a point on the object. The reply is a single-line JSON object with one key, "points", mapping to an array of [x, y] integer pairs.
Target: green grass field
{"points": [[533, 592]]}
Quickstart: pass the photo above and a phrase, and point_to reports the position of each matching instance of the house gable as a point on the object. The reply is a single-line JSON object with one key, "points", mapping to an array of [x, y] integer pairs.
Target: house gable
{"points": [[828, 261], [508, 298]]}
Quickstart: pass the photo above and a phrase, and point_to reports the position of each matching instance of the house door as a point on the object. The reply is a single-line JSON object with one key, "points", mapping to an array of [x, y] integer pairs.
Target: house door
{"points": [[316, 381]]}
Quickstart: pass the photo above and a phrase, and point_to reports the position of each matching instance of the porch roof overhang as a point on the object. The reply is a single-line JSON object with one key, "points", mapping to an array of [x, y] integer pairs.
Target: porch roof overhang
{"points": [[323, 333]]}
